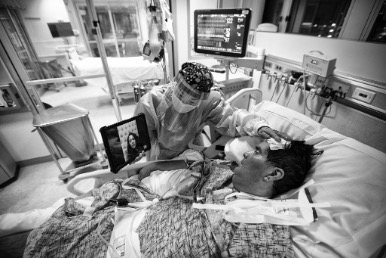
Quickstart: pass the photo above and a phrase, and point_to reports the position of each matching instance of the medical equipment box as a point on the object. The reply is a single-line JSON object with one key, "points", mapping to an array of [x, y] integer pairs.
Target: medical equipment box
{"points": [[318, 64]]}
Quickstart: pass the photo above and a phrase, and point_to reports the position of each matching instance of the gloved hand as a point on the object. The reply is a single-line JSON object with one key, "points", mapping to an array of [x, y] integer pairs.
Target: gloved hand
{"points": [[267, 132]]}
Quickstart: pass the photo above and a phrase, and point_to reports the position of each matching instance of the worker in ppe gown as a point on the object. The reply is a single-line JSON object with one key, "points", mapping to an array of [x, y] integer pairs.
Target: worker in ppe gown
{"points": [[176, 114]]}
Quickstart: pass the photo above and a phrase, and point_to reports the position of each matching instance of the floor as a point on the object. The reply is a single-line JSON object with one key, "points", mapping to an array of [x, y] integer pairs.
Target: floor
{"points": [[34, 187], [93, 98], [38, 186]]}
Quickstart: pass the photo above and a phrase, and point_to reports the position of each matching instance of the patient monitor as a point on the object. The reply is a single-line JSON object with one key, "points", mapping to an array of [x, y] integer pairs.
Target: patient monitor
{"points": [[223, 33]]}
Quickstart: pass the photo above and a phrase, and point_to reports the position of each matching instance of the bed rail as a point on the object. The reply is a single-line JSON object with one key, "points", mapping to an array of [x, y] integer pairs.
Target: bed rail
{"points": [[104, 175]]}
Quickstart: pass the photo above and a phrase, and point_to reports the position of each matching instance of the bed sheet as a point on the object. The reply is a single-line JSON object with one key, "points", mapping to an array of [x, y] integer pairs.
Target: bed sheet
{"points": [[350, 176], [123, 69]]}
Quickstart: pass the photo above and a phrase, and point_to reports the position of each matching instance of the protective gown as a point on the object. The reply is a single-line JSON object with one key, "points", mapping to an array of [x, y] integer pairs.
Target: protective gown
{"points": [[171, 132]]}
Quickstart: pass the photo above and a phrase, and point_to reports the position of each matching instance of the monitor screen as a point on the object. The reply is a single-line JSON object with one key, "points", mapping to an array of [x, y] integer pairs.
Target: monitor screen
{"points": [[221, 31], [60, 29]]}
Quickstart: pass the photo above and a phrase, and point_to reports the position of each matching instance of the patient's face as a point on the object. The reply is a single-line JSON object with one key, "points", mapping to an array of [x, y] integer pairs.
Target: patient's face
{"points": [[253, 167]]}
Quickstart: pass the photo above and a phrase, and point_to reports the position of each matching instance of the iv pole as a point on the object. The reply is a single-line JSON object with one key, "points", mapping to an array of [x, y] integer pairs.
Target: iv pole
{"points": [[102, 52]]}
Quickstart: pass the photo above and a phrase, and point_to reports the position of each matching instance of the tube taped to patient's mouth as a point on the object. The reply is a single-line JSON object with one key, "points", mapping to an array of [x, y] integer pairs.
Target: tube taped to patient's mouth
{"points": [[251, 209]]}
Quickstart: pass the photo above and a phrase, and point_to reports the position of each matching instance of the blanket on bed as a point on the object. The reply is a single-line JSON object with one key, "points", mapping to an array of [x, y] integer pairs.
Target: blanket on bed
{"points": [[171, 228], [69, 233]]}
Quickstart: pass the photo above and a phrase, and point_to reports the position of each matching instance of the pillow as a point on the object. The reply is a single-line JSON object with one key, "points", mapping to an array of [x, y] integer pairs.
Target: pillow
{"points": [[73, 55], [350, 175]]}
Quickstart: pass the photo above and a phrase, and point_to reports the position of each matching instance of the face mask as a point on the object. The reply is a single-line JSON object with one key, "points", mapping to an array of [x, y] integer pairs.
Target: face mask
{"points": [[180, 106]]}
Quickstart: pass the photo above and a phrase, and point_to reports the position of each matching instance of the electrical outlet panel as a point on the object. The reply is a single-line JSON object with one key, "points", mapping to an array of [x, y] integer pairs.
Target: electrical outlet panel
{"points": [[340, 87], [278, 68], [363, 95]]}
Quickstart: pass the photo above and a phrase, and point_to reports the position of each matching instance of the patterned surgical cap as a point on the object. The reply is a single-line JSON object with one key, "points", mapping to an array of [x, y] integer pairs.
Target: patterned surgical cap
{"points": [[198, 76]]}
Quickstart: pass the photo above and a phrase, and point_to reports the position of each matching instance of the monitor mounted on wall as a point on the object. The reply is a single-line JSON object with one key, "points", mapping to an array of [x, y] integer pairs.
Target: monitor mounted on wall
{"points": [[222, 32], [60, 29]]}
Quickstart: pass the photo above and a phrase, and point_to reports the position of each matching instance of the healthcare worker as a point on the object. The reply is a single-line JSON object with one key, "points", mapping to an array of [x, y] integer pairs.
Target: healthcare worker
{"points": [[176, 114]]}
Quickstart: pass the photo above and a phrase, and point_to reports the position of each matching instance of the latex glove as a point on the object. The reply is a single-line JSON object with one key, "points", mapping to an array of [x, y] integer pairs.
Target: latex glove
{"points": [[267, 132]]}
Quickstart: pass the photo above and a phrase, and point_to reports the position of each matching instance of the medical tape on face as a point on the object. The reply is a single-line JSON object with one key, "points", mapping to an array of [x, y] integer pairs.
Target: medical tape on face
{"points": [[274, 145]]}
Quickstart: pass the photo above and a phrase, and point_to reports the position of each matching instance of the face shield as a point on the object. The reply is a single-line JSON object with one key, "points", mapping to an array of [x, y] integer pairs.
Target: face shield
{"points": [[180, 106], [192, 85], [184, 97]]}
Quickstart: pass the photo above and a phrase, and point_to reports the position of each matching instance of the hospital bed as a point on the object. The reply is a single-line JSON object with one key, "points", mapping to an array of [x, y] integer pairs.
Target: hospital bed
{"points": [[350, 175], [123, 69]]}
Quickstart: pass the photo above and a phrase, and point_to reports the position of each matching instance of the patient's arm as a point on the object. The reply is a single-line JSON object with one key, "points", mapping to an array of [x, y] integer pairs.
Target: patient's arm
{"points": [[161, 165]]}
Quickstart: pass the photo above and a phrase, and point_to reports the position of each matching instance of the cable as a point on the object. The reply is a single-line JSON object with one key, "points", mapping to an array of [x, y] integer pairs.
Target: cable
{"points": [[296, 86], [280, 93], [281, 75], [273, 93], [316, 114], [304, 91], [105, 241], [292, 93], [234, 65], [312, 112]]}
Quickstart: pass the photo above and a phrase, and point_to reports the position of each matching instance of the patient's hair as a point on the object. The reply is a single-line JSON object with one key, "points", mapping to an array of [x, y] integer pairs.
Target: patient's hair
{"points": [[295, 159]]}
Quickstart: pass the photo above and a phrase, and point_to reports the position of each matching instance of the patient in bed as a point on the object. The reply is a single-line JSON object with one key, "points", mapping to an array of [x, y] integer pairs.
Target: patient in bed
{"points": [[169, 226]]}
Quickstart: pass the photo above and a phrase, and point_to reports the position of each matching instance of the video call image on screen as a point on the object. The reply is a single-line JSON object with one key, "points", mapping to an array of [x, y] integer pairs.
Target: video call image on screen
{"points": [[222, 33], [125, 141]]}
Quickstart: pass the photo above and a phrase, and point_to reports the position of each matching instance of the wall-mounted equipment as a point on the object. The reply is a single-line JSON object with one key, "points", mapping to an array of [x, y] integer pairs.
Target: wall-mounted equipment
{"points": [[222, 32], [317, 63]]}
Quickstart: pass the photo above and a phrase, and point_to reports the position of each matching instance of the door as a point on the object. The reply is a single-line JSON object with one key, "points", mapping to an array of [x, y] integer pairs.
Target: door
{"points": [[120, 29], [35, 83], [20, 59]]}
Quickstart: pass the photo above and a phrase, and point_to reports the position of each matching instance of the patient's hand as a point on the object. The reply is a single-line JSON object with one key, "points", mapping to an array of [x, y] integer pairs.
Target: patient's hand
{"points": [[146, 171]]}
